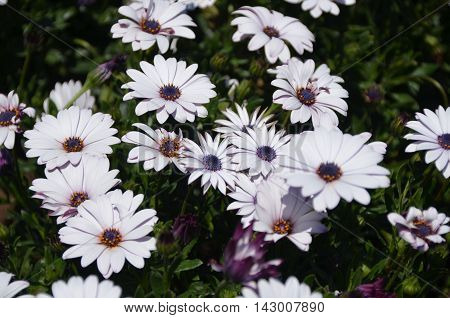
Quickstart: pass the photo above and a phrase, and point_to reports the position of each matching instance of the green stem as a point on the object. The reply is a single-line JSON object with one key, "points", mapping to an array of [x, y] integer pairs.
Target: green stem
{"points": [[83, 90], [219, 287], [25, 67], [183, 207]]}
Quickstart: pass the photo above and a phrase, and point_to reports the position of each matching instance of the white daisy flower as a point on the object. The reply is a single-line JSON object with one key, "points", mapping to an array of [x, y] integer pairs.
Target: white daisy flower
{"points": [[11, 113], [73, 133], [153, 21], [202, 4], [421, 228], [77, 287], [316, 7], [66, 187], [261, 151], [64, 92], [156, 148], [244, 197], [273, 288], [308, 92], [433, 135], [241, 120], [211, 161], [110, 230], [282, 211], [335, 165], [170, 88], [9, 290], [272, 29]]}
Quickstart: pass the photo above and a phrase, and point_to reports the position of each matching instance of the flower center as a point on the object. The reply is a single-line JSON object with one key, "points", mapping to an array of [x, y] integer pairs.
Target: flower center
{"points": [[329, 172], [111, 237], [212, 163], [282, 227], [444, 141], [271, 31], [422, 229], [266, 153], [150, 26], [169, 92], [6, 118], [306, 96], [77, 198], [73, 144], [169, 147]]}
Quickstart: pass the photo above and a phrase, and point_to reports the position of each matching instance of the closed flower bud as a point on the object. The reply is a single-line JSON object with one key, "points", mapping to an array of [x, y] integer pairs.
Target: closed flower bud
{"points": [[166, 244], [185, 227], [219, 61]]}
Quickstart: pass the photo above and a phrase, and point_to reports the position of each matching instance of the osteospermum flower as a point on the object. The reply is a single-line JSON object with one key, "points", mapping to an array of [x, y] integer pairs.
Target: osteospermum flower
{"points": [[67, 187], [375, 289], [244, 258], [309, 92], [271, 29], [65, 92], [421, 228], [316, 7], [153, 21], [432, 133], [170, 88], [273, 288], [211, 161], [241, 120], [283, 212], [77, 287], [334, 165], [244, 197], [110, 231], [11, 113], [156, 148], [73, 133], [9, 290], [260, 150], [202, 4]]}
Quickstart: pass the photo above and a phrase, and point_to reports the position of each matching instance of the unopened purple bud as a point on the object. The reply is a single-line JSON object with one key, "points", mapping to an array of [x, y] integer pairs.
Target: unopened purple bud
{"points": [[5, 160], [372, 290], [105, 70], [185, 227], [373, 94]]}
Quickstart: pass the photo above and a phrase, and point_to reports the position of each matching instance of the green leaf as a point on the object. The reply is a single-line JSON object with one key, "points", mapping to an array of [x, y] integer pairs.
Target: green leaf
{"points": [[188, 265]]}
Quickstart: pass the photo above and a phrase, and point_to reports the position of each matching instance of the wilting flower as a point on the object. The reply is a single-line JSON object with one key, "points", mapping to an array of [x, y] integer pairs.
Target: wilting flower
{"points": [[432, 133], [309, 92], [273, 288], [11, 113], [240, 121], [316, 7], [372, 290], [105, 70], [283, 212], [261, 151], [334, 165], [9, 290], [170, 88], [66, 138], [244, 199], [211, 161], [110, 230], [421, 228], [77, 287], [67, 187], [65, 92], [5, 160], [153, 21], [243, 259], [156, 148], [271, 29], [185, 227]]}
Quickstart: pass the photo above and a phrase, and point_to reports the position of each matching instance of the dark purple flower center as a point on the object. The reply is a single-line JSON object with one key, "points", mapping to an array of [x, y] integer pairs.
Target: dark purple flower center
{"points": [[271, 31], [169, 92], [212, 163], [150, 26], [77, 198], [423, 229], [73, 144], [306, 96], [169, 147], [329, 172], [111, 237], [266, 153], [444, 141], [6, 118], [282, 227]]}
